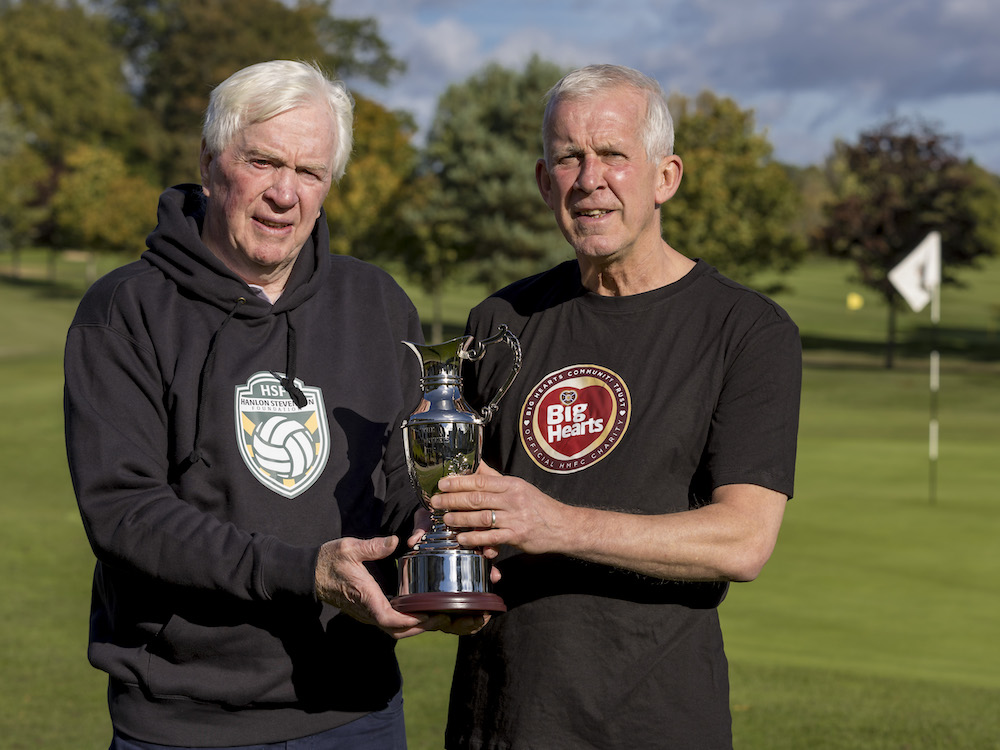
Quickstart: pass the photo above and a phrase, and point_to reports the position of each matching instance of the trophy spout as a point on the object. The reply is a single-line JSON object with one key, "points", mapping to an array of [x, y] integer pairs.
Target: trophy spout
{"points": [[440, 363], [415, 348]]}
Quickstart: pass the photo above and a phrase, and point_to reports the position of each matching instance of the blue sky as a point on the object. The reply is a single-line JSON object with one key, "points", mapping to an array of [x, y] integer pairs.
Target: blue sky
{"points": [[811, 71]]}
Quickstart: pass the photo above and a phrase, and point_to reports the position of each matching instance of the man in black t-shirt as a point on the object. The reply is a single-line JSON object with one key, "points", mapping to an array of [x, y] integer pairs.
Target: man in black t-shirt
{"points": [[641, 461]]}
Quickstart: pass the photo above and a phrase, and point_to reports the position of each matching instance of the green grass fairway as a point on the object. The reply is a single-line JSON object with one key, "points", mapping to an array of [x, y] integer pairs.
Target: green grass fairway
{"points": [[875, 626]]}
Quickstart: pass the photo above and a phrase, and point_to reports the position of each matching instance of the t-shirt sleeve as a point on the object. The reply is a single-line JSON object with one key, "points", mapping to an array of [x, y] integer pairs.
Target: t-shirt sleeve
{"points": [[754, 429]]}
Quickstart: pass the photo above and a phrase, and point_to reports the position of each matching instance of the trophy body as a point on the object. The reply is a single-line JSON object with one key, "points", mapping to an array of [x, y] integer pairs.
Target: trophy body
{"points": [[444, 436]]}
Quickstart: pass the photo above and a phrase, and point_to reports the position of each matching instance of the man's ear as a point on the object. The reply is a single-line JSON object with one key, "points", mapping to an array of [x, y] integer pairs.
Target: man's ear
{"points": [[544, 182], [204, 164], [668, 178]]}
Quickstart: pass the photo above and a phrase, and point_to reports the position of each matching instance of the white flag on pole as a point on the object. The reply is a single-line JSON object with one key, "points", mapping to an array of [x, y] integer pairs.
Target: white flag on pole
{"points": [[918, 279], [919, 273]]}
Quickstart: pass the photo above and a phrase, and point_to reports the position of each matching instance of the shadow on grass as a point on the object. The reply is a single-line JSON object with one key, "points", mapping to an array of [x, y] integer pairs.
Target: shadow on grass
{"points": [[970, 344], [44, 288]]}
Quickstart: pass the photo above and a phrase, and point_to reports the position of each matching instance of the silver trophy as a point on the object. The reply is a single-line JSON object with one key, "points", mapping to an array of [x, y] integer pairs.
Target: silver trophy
{"points": [[444, 436]]}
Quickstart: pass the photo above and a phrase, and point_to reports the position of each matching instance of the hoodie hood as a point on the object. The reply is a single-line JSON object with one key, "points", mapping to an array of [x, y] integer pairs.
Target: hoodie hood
{"points": [[176, 248]]}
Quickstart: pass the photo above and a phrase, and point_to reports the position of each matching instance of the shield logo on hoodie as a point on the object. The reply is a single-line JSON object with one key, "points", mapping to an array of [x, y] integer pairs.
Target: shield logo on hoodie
{"points": [[284, 446]]}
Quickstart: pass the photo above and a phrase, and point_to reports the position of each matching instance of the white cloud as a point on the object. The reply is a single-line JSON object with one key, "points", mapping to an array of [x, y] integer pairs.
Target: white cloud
{"points": [[445, 49], [811, 71]]}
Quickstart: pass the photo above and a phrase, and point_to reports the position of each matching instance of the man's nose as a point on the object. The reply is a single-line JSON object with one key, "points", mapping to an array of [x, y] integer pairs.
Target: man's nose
{"points": [[591, 175], [284, 188]]}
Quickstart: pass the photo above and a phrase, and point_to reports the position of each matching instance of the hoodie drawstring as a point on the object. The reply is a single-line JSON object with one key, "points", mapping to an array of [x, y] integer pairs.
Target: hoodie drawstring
{"points": [[289, 380], [195, 455]]}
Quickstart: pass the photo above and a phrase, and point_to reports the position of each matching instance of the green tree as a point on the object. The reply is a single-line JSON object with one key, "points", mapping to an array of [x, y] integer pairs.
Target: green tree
{"points": [[61, 76], [484, 211], [180, 49], [815, 192], [427, 238], [363, 209], [897, 183], [61, 85], [24, 172], [736, 207], [99, 206]]}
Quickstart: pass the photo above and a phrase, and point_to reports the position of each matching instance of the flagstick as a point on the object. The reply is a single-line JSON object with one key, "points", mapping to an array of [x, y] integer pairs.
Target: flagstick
{"points": [[918, 279], [935, 387]]}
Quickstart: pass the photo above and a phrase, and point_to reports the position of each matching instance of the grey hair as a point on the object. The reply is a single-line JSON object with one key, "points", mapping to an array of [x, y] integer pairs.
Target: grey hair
{"points": [[268, 89], [658, 128]]}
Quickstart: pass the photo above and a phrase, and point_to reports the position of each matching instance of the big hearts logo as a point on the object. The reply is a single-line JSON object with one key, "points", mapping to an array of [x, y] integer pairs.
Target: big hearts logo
{"points": [[574, 417]]}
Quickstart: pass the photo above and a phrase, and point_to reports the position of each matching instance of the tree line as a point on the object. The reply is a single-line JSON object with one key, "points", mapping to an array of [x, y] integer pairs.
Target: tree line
{"points": [[100, 107]]}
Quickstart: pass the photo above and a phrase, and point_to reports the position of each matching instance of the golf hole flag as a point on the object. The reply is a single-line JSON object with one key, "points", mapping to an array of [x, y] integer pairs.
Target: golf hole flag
{"points": [[919, 273], [918, 279]]}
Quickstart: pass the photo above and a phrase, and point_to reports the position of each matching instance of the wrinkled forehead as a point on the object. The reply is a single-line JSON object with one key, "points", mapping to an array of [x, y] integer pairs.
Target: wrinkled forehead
{"points": [[606, 118]]}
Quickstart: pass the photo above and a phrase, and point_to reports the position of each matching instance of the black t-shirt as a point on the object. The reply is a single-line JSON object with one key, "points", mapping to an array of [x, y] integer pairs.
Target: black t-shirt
{"points": [[642, 404]]}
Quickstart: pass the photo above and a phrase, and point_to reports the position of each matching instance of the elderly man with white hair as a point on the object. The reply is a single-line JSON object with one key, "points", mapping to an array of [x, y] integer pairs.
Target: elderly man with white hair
{"points": [[233, 402]]}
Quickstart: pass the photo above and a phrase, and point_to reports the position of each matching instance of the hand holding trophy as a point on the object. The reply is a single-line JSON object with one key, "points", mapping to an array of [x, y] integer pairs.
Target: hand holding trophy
{"points": [[444, 436]]}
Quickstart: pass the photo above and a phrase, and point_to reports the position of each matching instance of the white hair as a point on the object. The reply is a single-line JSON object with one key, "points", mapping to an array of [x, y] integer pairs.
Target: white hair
{"points": [[268, 89], [657, 130]]}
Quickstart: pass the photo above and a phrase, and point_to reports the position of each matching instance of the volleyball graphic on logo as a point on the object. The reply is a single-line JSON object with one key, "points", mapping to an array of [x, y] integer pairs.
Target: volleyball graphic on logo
{"points": [[284, 447]]}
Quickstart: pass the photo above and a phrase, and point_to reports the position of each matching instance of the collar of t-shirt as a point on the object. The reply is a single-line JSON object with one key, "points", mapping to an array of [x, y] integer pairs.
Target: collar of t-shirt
{"points": [[259, 291]]}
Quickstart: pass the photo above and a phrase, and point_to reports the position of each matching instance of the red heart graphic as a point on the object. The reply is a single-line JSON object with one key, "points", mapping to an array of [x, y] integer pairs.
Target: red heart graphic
{"points": [[572, 420]]}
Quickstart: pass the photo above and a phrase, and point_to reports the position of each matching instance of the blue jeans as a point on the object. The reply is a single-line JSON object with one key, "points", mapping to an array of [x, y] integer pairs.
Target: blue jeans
{"points": [[381, 730]]}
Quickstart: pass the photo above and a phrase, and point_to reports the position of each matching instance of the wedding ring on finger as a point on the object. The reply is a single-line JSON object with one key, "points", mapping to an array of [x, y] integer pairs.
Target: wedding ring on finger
{"points": [[493, 519]]}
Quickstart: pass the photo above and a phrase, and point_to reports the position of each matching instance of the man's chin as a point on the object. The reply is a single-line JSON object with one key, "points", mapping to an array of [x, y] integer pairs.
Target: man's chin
{"points": [[596, 251]]}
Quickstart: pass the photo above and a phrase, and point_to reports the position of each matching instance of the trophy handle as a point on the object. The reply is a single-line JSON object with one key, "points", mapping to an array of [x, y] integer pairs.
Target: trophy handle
{"points": [[476, 353]]}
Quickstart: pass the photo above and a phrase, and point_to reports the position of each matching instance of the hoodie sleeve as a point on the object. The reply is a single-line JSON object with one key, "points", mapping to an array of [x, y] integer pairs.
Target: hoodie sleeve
{"points": [[402, 499], [118, 442]]}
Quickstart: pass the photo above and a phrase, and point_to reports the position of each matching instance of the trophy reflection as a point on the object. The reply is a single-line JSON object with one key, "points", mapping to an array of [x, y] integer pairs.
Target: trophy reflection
{"points": [[444, 436]]}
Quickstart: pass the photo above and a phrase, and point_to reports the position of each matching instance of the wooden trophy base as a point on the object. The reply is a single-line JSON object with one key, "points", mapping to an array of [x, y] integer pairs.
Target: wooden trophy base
{"points": [[449, 602]]}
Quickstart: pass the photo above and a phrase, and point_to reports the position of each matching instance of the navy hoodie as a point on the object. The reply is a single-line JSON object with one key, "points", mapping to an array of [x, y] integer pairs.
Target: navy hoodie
{"points": [[215, 441]]}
